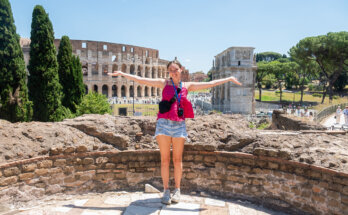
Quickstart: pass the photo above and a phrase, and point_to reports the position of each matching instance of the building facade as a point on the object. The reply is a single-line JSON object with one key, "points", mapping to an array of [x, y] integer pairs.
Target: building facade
{"points": [[229, 97], [99, 58]]}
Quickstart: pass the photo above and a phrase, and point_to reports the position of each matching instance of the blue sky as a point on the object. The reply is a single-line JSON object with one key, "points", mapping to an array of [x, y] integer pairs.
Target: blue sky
{"points": [[193, 30]]}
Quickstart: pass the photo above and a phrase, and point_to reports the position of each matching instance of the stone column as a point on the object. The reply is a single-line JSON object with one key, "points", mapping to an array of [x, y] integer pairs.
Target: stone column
{"points": [[143, 92], [100, 71], [89, 70], [109, 91], [127, 91], [119, 90], [127, 68]]}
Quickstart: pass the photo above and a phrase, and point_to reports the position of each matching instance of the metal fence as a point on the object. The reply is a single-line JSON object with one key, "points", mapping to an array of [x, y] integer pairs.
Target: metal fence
{"points": [[327, 111]]}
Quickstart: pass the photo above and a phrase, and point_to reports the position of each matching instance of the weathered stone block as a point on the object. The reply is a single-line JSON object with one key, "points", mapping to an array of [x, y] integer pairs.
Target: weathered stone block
{"points": [[11, 171], [316, 175], [60, 162], [101, 160], [249, 162], [191, 175], [26, 176], [198, 158], [69, 179], [209, 159], [232, 167], [344, 199], [41, 172], [87, 161], [28, 167], [69, 150], [273, 165], [8, 181], [81, 148], [236, 160], [110, 166]]}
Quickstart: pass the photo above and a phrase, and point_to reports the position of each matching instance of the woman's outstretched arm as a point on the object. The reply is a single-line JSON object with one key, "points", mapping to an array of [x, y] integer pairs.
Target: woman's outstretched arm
{"points": [[192, 86], [156, 82]]}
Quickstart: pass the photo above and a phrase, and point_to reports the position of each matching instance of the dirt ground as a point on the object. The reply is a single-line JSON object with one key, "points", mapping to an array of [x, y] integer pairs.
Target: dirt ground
{"points": [[211, 132]]}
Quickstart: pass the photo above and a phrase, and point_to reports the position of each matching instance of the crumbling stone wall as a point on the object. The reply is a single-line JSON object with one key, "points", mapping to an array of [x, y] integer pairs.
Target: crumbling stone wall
{"points": [[283, 121], [291, 186]]}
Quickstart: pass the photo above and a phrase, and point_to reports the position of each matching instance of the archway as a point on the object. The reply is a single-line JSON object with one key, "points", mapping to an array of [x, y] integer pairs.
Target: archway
{"points": [[105, 90], [114, 91]]}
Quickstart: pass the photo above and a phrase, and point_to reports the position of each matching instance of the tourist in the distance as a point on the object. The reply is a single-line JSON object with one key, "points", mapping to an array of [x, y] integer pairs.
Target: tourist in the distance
{"points": [[170, 126], [345, 113], [338, 114]]}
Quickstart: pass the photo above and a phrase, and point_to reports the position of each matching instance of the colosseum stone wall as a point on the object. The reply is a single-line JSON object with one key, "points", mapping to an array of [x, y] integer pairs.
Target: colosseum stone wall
{"points": [[238, 62], [98, 58]]}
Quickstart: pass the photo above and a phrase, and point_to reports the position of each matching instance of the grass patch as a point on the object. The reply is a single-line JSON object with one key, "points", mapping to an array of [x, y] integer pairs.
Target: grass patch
{"points": [[295, 97], [145, 109]]}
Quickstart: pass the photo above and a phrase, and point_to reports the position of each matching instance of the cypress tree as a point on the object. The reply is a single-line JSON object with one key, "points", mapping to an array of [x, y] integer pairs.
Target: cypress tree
{"points": [[79, 89], [14, 103], [44, 88], [64, 58], [70, 75]]}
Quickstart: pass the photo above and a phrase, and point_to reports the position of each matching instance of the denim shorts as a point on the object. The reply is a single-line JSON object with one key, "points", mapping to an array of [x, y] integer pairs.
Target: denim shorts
{"points": [[171, 128]]}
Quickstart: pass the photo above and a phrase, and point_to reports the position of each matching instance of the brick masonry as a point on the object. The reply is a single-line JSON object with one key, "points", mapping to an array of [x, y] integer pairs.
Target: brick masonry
{"points": [[281, 184]]}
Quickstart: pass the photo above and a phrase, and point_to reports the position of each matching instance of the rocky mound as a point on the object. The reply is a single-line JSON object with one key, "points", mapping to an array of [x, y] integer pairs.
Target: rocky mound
{"points": [[212, 132]]}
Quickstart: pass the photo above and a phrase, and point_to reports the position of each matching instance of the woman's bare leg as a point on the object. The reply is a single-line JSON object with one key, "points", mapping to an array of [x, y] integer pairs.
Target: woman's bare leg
{"points": [[164, 145], [178, 148]]}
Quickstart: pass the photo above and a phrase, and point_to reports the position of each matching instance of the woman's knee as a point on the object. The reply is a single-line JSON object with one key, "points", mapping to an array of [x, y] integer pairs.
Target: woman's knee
{"points": [[165, 161], [177, 161]]}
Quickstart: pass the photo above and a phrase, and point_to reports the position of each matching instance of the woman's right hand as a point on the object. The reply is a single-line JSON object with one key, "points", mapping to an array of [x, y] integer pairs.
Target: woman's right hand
{"points": [[115, 73]]}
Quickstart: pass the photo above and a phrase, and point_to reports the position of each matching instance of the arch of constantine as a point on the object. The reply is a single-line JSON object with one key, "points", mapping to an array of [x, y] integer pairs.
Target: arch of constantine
{"points": [[99, 58], [240, 63]]}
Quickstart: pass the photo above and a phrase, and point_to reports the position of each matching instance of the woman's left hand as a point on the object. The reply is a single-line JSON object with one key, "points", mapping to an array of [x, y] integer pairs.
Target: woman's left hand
{"points": [[234, 80]]}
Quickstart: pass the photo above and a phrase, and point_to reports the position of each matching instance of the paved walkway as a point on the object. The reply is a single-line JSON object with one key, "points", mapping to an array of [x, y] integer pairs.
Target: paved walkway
{"points": [[330, 122], [137, 203]]}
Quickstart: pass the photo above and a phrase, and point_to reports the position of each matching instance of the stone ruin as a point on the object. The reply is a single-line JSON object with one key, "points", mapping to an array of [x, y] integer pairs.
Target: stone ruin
{"points": [[299, 172]]}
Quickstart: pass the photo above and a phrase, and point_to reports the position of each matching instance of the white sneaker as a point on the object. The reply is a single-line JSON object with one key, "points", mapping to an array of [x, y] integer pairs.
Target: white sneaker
{"points": [[166, 197], [176, 195]]}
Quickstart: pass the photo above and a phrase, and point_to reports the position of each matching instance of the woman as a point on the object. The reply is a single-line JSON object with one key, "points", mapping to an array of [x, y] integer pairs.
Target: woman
{"points": [[171, 127], [338, 115]]}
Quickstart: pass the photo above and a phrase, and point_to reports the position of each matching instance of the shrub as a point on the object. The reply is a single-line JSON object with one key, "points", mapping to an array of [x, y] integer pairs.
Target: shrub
{"points": [[93, 103], [317, 95]]}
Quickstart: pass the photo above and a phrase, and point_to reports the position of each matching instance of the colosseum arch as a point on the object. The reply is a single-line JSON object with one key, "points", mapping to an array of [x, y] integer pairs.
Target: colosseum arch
{"points": [[114, 91], [105, 90], [147, 72], [86, 89], [95, 69], [131, 91], [123, 91], [124, 68], [140, 68], [132, 69], [158, 92], [153, 73], [95, 88], [159, 71], [139, 91], [114, 68], [146, 91], [153, 91], [105, 69], [84, 68]]}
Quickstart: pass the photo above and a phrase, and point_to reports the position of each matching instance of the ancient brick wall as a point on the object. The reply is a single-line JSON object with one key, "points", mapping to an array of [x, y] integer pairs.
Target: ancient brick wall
{"points": [[288, 122], [281, 184]]}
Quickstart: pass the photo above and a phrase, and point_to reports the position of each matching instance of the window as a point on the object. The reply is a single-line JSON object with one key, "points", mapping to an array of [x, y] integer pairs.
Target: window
{"points": [[238, 63], [147, 53], [105, 47], [132, 50], [113, 58], [84, 45], [123, 48]]}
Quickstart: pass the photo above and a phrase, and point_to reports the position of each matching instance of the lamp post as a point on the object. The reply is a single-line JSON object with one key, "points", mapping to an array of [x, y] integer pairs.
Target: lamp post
{"points": [[133, 99]]}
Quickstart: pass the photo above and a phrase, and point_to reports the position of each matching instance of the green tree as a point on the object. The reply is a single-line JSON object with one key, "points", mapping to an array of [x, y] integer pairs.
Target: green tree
{"points": [[263, 69], [79, 90], [93, 103], [14, 102], [43, 82], [268, 56], [70, 75], [341, 82], [330, 53]]}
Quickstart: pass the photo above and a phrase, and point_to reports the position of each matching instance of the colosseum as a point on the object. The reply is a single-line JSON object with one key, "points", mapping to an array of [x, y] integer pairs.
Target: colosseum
{"points": [[99, 58]]}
